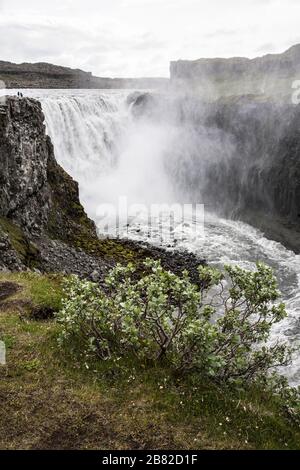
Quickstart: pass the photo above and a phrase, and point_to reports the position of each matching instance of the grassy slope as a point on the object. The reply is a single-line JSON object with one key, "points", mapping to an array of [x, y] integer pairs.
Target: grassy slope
{"points": [[49, 401]]}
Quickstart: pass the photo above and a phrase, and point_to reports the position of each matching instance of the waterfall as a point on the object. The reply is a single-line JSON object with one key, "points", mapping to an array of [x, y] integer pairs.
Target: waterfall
{"points": [[86, 131], [99, 143]]}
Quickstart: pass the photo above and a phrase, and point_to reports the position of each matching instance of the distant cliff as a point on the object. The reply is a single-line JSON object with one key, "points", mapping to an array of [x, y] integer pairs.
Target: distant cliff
{"points": [[271, 75], [43, 75]]}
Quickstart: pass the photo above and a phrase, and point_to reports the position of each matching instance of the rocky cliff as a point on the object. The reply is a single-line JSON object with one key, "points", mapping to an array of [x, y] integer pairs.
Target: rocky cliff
{"points": [[38, 200], [25, 195], [271, 75], [259, 179], [33, 185], [44, 75]]}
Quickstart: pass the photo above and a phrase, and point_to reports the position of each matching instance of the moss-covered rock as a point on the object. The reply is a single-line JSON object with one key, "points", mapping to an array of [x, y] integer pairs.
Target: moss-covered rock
{"points": [[27, 252]]}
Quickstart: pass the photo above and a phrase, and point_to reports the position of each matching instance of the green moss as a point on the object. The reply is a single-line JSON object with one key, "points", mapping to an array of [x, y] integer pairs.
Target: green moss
{"points": [[39, 291], [249, 420], [69, 223], [44, 291], [81, 237], [28, 253], [79, 231]]}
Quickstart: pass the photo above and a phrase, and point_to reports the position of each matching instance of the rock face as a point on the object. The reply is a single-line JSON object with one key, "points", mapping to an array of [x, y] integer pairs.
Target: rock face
{"points": [[25, 152], [38, 200], [33, 185], [271, 75], [264, 159], [43, 75]]}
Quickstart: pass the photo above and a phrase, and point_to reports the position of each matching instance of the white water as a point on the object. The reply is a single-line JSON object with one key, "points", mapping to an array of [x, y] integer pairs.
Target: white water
{"points": [[111, 155]]}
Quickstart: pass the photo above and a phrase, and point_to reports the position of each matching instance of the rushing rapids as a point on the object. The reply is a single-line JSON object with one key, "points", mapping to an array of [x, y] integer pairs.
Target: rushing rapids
{"points": [[112, 152]]}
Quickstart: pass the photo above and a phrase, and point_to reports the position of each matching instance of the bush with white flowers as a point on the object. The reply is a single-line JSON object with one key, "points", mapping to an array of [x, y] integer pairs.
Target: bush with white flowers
{"points": [[221, 329]]}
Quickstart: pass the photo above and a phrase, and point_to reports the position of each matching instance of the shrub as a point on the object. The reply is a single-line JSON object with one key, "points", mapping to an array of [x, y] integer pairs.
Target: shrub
{"points": [[221, 330]]}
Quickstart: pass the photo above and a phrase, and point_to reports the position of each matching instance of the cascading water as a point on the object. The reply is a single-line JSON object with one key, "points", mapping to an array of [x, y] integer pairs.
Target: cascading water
{"points": [[102, 147], [111, 154], [86, 130]]}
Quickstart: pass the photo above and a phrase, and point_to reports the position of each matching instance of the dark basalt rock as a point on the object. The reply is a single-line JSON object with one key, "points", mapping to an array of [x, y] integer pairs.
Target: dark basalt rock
{"points": [[39, 201], [24, 195], [174, 261], [35, 192], [7, 289]]}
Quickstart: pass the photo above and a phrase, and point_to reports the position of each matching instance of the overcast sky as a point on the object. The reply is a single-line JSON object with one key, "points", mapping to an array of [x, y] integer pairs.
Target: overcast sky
{"points": [[140, 37]]}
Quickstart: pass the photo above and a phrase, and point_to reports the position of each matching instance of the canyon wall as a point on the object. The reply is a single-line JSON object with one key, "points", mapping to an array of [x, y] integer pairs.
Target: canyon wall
{"points": [[271, 75], [42, 222]]}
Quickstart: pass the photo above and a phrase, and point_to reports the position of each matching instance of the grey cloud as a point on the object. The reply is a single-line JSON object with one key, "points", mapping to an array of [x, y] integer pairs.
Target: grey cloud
{"points": [[45, 42], [36, 41], [266, 48], [221, 32]]}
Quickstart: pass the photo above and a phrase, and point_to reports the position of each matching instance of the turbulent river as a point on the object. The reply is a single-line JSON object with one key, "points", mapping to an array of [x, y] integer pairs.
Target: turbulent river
{"points": [[111, 154]]}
